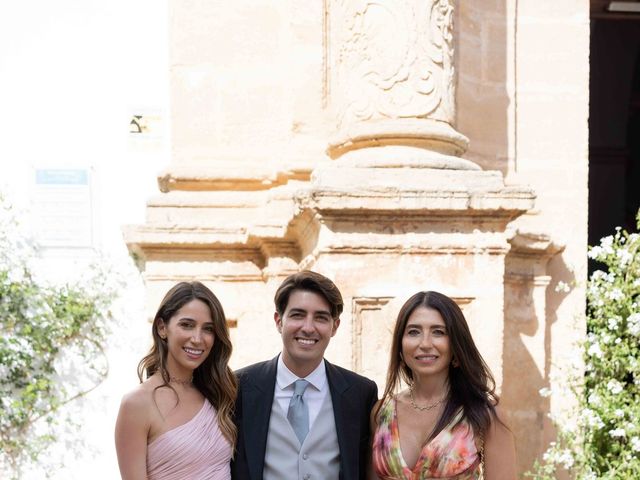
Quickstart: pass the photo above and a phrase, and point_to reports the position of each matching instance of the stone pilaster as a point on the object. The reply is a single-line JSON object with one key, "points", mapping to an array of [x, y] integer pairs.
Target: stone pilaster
{"points": [[527, 338]]}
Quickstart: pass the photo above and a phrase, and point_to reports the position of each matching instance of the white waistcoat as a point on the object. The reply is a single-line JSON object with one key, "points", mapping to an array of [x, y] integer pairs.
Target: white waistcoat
{"points": [[318, 458]]}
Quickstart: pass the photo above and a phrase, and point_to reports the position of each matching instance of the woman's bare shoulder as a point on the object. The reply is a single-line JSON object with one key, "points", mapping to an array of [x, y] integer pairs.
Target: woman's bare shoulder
{"points": [[500, 415], [140, 398]]}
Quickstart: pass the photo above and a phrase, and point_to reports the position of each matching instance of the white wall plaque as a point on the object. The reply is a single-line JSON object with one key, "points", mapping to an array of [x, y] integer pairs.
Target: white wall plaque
{"points": [[62, 208]]}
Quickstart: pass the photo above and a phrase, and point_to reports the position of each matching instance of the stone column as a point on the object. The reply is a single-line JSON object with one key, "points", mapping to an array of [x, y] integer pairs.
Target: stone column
{"points": [[392, 83], [397, 209]]}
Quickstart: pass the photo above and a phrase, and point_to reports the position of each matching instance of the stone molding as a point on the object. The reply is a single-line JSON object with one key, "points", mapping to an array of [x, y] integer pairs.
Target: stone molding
{"points": [[358, 305], [241, 178]]}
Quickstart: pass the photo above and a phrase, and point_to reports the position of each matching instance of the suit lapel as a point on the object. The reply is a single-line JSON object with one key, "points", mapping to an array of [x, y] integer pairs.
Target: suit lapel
{"points": [[346, 417], [257, 399]]}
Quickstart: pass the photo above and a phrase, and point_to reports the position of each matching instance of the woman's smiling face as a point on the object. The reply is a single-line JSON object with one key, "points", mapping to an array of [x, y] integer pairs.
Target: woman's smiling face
{"points": [[190, 337], [426, 348]]}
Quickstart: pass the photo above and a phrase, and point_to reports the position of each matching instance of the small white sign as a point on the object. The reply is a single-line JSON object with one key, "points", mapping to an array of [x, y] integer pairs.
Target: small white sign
{"points": [[61, 205]]}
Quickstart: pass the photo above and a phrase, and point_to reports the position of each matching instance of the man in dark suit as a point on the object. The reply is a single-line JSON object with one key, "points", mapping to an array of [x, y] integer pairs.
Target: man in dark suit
{"points": [[299, 416]]}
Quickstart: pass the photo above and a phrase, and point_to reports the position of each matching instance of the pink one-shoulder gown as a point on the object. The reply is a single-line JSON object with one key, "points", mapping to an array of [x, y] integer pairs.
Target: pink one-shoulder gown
{"points": [[194, 450]]}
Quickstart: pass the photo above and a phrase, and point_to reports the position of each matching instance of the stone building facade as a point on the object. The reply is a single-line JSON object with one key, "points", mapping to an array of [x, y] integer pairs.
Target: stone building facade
{"points": [[394, 146]]}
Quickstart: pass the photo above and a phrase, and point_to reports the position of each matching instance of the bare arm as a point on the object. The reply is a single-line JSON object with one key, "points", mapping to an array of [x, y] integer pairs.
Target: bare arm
{"points": [[132, 428], [371, 475], [500, 452]]}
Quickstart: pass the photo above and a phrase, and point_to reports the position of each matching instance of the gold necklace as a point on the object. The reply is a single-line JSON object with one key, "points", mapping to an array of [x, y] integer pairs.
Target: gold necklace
{"points": [[426, 407], [179, 381]]}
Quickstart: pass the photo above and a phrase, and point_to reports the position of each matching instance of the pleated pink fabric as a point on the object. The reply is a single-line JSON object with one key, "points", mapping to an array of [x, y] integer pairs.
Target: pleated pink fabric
{"points": [[194, 450]]}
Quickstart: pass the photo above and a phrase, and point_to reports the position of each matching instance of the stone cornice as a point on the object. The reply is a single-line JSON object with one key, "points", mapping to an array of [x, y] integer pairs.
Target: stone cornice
{"points": [[197, 177], [526, 243]]}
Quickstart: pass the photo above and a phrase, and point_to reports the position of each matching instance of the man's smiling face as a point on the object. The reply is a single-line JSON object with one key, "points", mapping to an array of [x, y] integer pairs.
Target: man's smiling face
{"points": [[306, 327]]}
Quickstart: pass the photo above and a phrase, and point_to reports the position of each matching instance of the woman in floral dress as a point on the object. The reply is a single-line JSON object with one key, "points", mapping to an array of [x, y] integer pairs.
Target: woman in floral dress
{"points": [[445, 424]]}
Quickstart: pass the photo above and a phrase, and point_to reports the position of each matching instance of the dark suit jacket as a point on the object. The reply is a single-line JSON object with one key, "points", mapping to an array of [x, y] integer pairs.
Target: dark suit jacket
{"points": [[353, 397]]}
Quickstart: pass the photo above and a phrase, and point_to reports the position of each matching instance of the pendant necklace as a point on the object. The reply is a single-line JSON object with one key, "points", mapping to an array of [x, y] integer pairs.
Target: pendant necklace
{"points": [[425, 407]]}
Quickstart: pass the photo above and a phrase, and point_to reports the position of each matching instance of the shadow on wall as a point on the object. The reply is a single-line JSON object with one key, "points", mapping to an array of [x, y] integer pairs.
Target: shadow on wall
{"points": [[486, 115], [531, 301]]}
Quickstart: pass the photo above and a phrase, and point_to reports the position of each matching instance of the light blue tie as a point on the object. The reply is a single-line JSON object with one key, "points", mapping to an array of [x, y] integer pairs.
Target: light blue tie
{"points": [[298, 413]]}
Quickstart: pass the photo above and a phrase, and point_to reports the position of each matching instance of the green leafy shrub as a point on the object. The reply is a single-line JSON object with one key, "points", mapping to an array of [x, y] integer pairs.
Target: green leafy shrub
{"points": [[601, 440], [51, 340]]}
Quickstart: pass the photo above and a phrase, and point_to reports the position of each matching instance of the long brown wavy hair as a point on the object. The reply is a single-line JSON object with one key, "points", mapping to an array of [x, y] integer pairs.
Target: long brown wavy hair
{"points": [[471, 385], [213, 378]]}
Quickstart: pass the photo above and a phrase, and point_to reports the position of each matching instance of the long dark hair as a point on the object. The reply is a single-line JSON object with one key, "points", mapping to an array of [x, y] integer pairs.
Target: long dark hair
{"points": [[471, 385], [213, 378]]}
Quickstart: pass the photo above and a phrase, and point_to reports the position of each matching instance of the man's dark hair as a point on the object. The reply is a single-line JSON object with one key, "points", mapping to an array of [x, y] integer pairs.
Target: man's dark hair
{"points": [[312, 282]]}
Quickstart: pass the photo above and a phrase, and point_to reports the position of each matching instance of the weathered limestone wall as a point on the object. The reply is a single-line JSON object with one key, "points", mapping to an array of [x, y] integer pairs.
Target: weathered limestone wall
{"points": [[329, 135], [523, 95]]}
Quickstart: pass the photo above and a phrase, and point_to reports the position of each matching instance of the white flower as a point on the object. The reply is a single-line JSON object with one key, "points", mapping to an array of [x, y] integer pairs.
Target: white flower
{"points": [[545, 392], [595, 350], [594, 253], [562, 457], [612, 323], [594, 399], [618, 433], [635, 444], [592, 419], [566, 459], [563, 287], [619, 412], [615, 387], [633, 324], [624, 256], [615, 294]]}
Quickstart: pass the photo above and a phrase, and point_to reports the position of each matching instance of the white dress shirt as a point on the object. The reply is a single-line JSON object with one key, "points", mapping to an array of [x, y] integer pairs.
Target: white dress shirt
{"points": [[313, 395]]}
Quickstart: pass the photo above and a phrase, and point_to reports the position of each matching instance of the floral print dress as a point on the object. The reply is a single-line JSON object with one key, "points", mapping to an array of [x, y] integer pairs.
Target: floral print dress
{"points": [[451, 454]]}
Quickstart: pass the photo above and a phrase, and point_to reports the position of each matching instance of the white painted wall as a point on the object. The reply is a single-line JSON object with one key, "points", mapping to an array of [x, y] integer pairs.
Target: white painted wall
{"points": [[72, 73]]}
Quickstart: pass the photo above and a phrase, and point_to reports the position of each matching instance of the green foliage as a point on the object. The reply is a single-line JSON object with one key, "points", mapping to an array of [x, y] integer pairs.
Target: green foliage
{"points": [[602, 439], [51, 339]]}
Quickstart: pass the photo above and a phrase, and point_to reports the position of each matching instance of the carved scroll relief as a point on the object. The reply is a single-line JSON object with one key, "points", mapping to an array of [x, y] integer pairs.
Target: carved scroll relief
{"points": [[392, 59]]}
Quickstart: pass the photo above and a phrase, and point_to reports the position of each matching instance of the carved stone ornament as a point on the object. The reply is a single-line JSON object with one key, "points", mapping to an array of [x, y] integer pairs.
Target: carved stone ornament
{"points": [[393, 75]]}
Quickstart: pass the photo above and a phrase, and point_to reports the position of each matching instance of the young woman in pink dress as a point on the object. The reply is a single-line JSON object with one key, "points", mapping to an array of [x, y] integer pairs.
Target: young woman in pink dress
{"points": [[440, 424], [177, 424]]}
